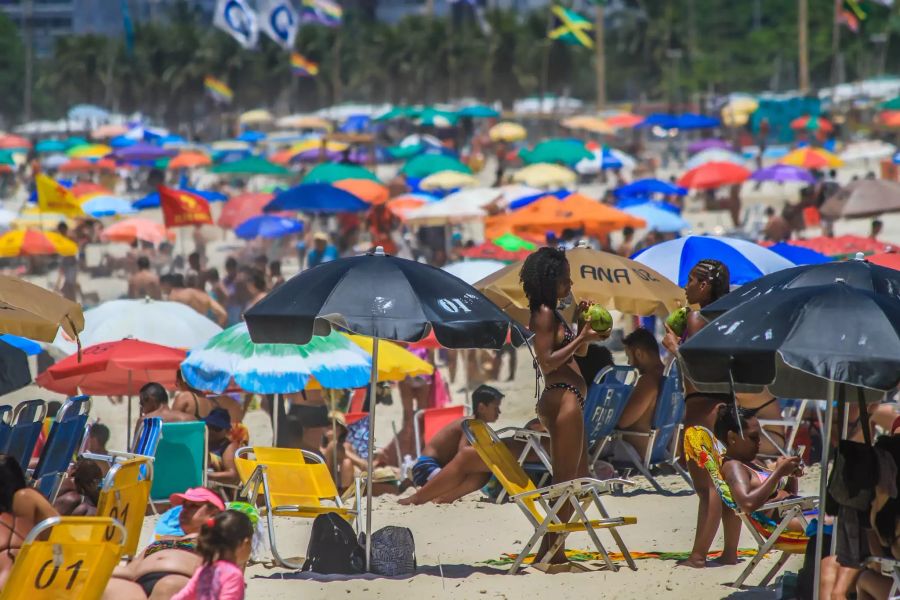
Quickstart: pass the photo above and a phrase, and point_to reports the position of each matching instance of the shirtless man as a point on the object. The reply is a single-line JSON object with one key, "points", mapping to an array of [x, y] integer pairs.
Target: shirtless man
{"points": [[154, 402], [144, 283], [448, 441], [643, 354], [256, 285], [174, 289]]}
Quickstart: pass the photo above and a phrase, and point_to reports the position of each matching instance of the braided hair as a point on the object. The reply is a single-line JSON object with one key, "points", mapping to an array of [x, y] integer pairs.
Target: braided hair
{"points": [[715, 273], [540, 274]]}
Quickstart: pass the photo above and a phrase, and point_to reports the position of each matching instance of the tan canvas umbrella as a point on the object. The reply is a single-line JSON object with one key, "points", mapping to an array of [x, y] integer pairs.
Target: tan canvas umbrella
{"points": [[30, 311], [863, 198], [609, 280]]}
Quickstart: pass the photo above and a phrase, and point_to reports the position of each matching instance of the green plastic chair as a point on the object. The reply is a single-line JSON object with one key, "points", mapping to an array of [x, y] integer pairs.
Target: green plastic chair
{"points": [[180, 460]]}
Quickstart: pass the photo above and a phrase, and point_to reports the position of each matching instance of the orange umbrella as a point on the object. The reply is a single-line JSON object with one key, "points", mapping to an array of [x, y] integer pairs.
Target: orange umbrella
{"points": [[130, 230], [625, 120], [575, 211], [31, 242], [370, 191], [81, 165], [401, 205], [242, 207], [713, 175], [890, 118], [189, 160], [282, 157], [812, 158], [82, 190]]}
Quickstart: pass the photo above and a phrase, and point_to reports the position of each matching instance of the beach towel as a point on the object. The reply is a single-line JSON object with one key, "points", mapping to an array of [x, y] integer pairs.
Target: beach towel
{"points": [[588, 556]]}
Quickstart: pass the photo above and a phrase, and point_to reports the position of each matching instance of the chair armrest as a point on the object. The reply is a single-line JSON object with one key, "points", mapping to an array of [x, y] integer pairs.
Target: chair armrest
{"points": [[806, 502], [620, 432], [884, 565], [520, 431], [579, 486]]}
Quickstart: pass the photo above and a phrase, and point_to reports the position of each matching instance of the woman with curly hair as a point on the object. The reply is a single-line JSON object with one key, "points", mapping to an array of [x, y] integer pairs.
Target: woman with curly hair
{"points": [[546, 279]]}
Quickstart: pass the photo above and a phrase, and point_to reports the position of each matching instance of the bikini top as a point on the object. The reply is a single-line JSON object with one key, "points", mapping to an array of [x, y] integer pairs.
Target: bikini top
{"points": [[568, 334], [188, 545]]}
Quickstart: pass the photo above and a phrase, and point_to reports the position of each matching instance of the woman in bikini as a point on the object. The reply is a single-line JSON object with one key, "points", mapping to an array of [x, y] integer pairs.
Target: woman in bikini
{"points": [[546, 279], [21, 508], [191, 401]]}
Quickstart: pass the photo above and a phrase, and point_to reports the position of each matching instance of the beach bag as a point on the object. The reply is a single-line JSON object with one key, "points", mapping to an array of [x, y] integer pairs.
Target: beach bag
{"points": [[855, 473], [333, 549], [393, 551]]}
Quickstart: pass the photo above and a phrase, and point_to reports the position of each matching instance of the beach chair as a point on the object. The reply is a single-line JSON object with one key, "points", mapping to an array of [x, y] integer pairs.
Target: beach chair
{"points": [[6, 421], [662, 439], [65, 437], [541, 506], [433, 420], [889, 568], [792, 413], [27, 420], [293, 483], [603, 406], [143, 444], [768, 533], [124, 495], [66, 557], [181, 460]]}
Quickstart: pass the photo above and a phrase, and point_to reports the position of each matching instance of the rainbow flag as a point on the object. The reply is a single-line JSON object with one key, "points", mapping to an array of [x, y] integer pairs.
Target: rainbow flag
{"points": [[323, 12], [302, 66], [218, 89]]}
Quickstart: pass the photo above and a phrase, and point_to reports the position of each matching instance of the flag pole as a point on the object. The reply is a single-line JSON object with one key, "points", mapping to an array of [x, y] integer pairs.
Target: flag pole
{"points": [[600, 53]]}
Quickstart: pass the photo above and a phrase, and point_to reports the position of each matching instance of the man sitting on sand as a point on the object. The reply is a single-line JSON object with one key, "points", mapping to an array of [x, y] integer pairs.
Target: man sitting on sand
{"points": [[643, 354], [450, 440], [144, 283], [154, 402], [175, 291]]}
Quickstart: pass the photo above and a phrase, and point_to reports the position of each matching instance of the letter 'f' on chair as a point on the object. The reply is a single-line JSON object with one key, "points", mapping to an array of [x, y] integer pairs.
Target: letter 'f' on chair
{"points": [[541, 506]]}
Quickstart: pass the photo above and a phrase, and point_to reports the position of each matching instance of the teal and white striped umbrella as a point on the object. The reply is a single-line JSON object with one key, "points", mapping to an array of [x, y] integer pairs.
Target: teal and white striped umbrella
{"points": [[333, 360]]}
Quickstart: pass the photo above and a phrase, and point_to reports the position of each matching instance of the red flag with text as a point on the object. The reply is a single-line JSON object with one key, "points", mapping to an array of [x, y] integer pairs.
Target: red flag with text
{"points": [[181, 208]]}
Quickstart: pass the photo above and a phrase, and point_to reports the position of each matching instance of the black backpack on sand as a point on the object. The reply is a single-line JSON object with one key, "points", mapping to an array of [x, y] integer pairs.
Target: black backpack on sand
{"points": [[333, 549]]}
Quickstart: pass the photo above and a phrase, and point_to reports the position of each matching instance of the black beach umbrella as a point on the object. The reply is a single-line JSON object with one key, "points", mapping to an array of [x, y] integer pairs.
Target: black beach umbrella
{"points": [[856, 273], [14, 370], [807, 342], [383, 297]]}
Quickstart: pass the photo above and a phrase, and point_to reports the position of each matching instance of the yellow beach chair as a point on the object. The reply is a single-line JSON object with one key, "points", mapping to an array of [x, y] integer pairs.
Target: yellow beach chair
{"points": [[66, 558], [124, 496], [541, 506], [293, 483]]}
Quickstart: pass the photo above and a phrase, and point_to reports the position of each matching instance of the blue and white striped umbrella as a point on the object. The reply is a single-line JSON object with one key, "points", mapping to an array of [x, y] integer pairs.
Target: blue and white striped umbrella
{"points": [[108, 206], [657, 218], [746, 261]]}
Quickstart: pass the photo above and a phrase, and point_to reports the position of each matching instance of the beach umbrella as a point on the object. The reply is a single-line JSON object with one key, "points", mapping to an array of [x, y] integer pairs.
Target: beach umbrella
{"points": [[36, 313], [107, 206], [892, 104], [251, 136], [798, 254], [142, 152], [478, 111], [267, 226], [259, 116], [713, 175], [689, 121], [14, 370], [714, 155], [736, 113], [863, 198], [624, 120], [447, 180], [402, 206], [84, 190], [332, 172], [647, 187], [427, 164], [545, 175], [575, 211], [896, 159], [122, 141], [170, 324], [458, 207], [513, 243], [303, 122], [493, 252], [50, 146], [242, 207], [382, 297], [109, 131], [889, 118], [316, 198], [564, 151], [507, 131], [745, 260], [230, 146], [613, 281], [366, 189], [7, 159], [812, 158], [252, 165], [30, 242], [708, 144], [89, 151], [129, 230], [588, 123], [783, 174], [658, 219], [889, 259], [842, 245], [14, 142], [472, 271], [29, 347], [75, 140], [399, 112], [54, 161], [867, 150], [441, 119], [189, 160], [810, 123]]}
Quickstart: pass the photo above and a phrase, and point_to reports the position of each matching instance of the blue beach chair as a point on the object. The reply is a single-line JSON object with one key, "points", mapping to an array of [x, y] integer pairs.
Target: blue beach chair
{"points": [[27, 420], [144, 444], [6, 419], [66, 433]]}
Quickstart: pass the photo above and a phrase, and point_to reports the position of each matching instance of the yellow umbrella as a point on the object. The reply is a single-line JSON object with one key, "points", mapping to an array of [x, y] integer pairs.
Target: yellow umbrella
{"points": [[609, 280], [31, 242], [447, 180], [588, 123], [89, 151], [545, 175], [32, 218], [507, 131], [28, 310], [230, 146], [394, 362], [737, 112], [303, 122], [256, 117], [812, 158]]}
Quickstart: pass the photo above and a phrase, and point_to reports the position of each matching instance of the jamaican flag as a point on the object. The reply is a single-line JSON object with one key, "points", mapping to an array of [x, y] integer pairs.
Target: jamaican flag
{"points": [[571, 28]]}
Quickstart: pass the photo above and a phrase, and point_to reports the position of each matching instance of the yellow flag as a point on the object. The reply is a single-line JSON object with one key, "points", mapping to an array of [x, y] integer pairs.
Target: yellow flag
{"points": [[56, 198]]}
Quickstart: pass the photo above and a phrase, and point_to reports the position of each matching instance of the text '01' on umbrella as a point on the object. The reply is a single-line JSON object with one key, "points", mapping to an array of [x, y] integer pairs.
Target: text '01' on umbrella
{"points": [[383, 297]]}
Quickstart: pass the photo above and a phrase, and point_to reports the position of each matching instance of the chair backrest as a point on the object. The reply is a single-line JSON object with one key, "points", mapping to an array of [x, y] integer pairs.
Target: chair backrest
{"points": [[146, 439], [66, 557], [435, 419], [66, 433], [669, 412], [500, 461], [124, 495], [28, 418], [6, 420], [605, 401], [294, 476], [180, 460], [358, 400]]}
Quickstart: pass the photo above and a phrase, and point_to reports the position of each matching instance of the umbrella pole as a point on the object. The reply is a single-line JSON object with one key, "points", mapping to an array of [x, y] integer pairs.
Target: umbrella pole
{"points": [[128, 424], [371, 458], [823, 488], [276, 407]]}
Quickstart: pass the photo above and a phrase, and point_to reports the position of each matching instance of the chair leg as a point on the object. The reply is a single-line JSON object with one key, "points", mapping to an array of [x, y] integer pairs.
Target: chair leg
{"points": [[775, 569], [614, 532], [271, 525], [593, 535], [765, 547]]}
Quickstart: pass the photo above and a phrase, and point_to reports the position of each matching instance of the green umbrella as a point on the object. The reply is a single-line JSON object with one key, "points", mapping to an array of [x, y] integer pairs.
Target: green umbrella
{"points": [[6, 158], [892, 104], [513, 243], [252, 165], [429, 164], [162, 163], [50, 146], [404, 152], [479, 111], [433, 117], [331, 172], [564, 151], [399, 112], [74, 141]]}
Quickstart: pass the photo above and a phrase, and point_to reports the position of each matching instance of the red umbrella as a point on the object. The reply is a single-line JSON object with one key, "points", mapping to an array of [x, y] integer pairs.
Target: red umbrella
{"points": [[841, 245], [713, 175], [490, 250], [811, 123], [888, 259], [242, 207]]}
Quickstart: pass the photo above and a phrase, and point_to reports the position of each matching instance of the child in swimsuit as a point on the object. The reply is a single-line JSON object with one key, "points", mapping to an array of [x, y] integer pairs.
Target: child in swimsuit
{"points": [[224, 544]]}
